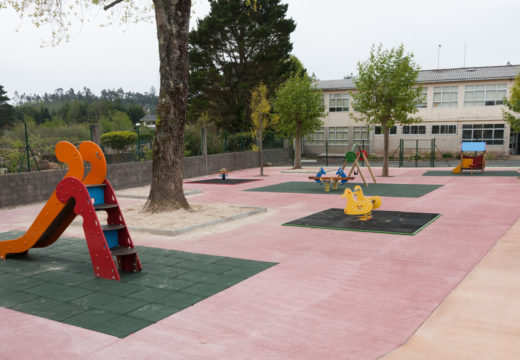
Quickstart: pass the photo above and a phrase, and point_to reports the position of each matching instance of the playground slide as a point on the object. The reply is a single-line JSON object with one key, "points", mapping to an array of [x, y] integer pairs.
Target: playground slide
{"points": [[55, 215], [457, 170]]}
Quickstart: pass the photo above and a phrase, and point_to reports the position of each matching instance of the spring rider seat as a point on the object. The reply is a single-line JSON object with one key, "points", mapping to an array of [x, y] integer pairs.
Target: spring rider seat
{"points": [[360, 206]]}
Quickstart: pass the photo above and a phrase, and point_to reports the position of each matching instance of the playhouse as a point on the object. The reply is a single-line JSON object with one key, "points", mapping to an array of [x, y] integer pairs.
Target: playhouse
{"points": [[472, 157]]}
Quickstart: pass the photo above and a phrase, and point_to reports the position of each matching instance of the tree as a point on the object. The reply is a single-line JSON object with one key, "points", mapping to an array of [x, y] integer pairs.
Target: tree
{"points": [[172, 22], [386, 95], [513, 104], [6, 110], [299, 108], [260, 108], [135, 113], [231, 51], [115, 121]]}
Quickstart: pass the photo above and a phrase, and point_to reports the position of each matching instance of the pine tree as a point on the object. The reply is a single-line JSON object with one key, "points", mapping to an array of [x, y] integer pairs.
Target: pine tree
{"points": [[233, 49], [6, 110]]}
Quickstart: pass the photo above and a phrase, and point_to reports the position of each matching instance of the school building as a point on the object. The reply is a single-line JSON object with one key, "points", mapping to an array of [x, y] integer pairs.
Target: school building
{"points": [[460, 104]]}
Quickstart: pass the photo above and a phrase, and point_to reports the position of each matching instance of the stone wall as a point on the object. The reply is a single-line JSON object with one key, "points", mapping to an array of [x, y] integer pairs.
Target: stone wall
{"points": [[26, 188]]}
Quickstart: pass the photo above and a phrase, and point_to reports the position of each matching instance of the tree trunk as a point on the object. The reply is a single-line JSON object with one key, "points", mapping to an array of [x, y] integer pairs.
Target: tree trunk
{"points": [[386, 147], [298, 151], [166, 193]]}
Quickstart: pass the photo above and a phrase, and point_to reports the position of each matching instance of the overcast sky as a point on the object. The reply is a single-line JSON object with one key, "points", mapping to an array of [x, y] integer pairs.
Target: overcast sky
{"points": [[331, 36]]}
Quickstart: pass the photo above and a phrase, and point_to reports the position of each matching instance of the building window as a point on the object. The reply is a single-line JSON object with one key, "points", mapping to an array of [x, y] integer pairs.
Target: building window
{"points": [[378, 130], [338, 135], [316, 138], [424, 97], [492, 134], [414, 129], [360, 135], [484, 95], [338, 102], [444, 129], [445, 96]]}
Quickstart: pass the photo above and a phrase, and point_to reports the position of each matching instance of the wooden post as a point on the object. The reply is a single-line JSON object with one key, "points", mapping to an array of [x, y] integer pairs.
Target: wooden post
{"points": [[369, 168], [94, 134], [205, 150]]}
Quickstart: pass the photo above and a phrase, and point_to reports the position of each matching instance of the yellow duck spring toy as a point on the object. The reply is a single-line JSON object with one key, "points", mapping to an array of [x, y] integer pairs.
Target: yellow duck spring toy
{"points": [[362, 206]]}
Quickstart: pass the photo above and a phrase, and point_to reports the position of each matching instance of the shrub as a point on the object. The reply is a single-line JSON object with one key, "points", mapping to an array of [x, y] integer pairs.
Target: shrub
{"points": [[491, 156], [241, 141], [193, 139], [115, 121], [148, 154], [119, 140], [447, 155]]}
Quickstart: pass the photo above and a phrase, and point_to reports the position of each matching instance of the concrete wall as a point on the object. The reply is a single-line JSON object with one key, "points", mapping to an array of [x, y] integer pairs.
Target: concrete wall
{"points": [[26, 188]]}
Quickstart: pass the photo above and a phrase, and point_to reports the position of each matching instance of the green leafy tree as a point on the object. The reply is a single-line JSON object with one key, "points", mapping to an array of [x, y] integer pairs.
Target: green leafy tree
{"points": [[260, 108], [513, 104], [231, 51], [6, 110], [135, 113], [386, 92], [115, 121], [298, 105]]}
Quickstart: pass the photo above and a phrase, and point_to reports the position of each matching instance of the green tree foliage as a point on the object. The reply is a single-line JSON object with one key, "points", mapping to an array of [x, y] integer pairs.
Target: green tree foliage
{"points": [[6, 110], [386, 95], [260, 108], [135, 113], [119, 140], [115, 121], [193, 139], [231, 51], [513, 104], [42, 138], [84, 106], [298, 105]]}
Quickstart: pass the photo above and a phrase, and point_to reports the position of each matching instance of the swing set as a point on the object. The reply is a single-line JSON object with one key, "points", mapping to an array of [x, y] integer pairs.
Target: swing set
{"points": [[341, 177], [354, 157]]}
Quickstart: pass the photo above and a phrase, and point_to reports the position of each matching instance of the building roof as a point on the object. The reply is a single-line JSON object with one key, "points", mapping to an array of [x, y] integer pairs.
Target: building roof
{"points": [[505, 72], [148, 118]]}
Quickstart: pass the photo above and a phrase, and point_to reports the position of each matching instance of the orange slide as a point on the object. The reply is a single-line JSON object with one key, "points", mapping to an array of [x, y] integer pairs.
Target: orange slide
{"points": [[56, 216]]}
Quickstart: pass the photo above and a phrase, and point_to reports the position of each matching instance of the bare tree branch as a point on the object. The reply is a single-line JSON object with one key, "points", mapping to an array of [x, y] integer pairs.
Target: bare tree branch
{"points": [[114, 3]]}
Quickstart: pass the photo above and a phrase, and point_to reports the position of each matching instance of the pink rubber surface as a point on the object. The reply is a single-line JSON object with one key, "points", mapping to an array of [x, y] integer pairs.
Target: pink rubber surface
{"points": [[334, 295]]}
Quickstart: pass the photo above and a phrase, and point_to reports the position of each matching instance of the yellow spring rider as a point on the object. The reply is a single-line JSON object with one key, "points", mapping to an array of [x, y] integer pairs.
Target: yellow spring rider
{"points": [[361, 206]]}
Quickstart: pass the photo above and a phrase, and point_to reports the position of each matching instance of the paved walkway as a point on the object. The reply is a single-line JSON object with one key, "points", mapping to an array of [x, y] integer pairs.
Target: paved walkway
{"points": [[333, 294], [480, 319]]}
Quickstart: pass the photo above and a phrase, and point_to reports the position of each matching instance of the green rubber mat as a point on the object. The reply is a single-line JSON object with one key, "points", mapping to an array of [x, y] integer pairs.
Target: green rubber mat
{"points": [[58, 283], [219, 181], [475, 173], [390, 190], [389, 222]]}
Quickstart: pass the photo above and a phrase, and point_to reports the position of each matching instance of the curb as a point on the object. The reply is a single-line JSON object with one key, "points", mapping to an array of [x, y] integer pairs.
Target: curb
{"points": [[186, 193], [256, 210]]}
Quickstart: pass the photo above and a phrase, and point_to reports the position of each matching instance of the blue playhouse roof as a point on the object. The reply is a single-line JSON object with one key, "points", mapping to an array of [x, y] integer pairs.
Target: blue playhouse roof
{"points": [[473, 146]]}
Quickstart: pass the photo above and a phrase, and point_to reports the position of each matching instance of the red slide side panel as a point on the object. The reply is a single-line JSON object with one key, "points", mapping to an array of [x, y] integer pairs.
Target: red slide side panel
{"points": [[102, 261]]}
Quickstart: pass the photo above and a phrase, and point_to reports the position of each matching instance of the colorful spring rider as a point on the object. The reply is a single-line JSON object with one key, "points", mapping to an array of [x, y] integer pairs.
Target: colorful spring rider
{"points": [[361, 206], [322, 178], [472, 157], [223, 172]]}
